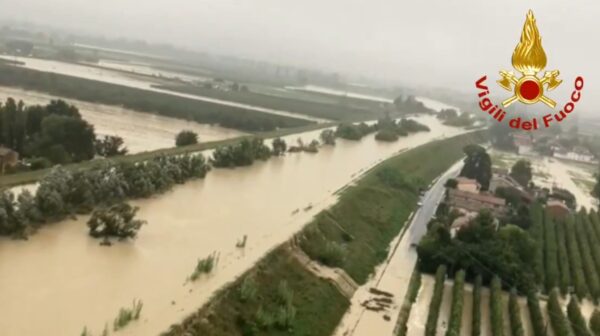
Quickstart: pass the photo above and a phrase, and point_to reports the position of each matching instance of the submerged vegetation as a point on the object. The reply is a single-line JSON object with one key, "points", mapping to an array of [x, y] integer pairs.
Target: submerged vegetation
{"points": [[115, 221], [62, 193], [127, 315], [204, 266]]}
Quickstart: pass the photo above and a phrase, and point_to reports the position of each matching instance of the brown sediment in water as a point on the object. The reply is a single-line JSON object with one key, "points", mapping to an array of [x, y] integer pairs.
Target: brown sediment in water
{"points": [[61, 280]]}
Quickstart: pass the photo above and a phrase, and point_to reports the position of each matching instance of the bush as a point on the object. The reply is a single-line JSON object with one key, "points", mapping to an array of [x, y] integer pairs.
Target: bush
{"points": [[595, 322], [126, 315], [204, 266], [386, 135], [436, 301], [559, 322], [537, 320], [577, 320], [115, 221], [455, 320], [279, 146], [240, 154], [496, 309], [328, 137], [476, 323], [514, 311], [185, 138]]}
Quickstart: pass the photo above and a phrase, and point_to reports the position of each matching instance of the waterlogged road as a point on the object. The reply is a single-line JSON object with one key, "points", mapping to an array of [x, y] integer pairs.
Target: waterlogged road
{"points": [[394, 275], [140, 131], [60, 279], [115, 77]]}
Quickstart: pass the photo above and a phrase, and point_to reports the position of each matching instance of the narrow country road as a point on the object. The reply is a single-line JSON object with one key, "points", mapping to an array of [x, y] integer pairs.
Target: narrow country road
{"points": [[394, 275]]}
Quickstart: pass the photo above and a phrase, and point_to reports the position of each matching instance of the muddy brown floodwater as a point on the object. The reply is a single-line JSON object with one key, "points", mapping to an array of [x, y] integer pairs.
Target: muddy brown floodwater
{"points": [[60, 280], [140, 131]]}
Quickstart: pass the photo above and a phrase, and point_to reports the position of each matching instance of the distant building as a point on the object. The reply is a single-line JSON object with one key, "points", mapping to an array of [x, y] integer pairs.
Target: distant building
{"points": [[523, 143], [475, 202], [8, 158], [467, 184], [579, 154], [557, 209]]}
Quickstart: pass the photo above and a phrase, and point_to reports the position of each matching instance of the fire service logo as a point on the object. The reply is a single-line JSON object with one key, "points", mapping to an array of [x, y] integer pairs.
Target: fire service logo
{"points": [[529, 59]]}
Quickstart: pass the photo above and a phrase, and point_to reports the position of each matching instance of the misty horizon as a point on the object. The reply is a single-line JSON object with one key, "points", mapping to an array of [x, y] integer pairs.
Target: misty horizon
{"points": [[441, 45]]}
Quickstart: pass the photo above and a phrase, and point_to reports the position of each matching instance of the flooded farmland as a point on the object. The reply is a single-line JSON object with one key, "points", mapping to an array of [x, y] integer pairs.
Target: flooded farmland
{"points": [[85, 284], [140, 131]]}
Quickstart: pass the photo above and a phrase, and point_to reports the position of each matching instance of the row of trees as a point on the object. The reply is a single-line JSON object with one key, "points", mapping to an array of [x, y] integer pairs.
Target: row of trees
{"points": [[390, 129], [436, 301], [63, 192], [572, 253], [454, 323]]}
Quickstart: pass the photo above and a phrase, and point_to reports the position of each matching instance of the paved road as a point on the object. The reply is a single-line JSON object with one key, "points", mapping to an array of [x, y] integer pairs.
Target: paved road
{"points": [[394, 276]]}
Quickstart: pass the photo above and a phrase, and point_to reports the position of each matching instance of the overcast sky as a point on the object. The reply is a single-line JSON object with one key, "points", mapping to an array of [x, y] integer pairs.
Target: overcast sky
{"points": [[448, 43]]}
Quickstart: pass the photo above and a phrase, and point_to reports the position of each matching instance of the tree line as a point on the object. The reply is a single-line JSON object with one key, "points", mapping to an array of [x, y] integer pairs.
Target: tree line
{"points": [[52, 134], [62, 193]]}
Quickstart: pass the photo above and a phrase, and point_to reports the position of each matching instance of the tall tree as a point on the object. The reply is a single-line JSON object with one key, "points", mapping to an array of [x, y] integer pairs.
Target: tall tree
{"points": [[522, 172], [477, 165]]}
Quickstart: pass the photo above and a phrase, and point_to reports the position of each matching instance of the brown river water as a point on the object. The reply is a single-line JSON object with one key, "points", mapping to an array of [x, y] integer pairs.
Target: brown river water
{"points": [[60, 280]]}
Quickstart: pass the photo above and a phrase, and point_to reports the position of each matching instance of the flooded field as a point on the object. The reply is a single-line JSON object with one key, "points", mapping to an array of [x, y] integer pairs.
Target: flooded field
{"points": [[148, 70], [144, 83], [140, 131], [549, 172], [60, 279]]}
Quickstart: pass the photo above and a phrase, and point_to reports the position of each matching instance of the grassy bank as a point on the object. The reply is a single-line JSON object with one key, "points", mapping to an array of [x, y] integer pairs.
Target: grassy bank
{"points": [[362, 224], [144, 100], [33, 176], [315, 109], [355, 233]]}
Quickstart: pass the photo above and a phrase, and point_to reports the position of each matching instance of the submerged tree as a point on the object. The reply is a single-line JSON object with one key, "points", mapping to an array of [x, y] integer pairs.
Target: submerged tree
{"points": [[115, 221], [185, 138], [110, 146], [522, 172], [478, 165]]}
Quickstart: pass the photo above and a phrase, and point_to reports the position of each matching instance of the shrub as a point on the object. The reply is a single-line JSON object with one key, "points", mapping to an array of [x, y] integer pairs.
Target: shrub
{"points": [[476, 323], [559, 322], [116, 221], [126, 315], [514, 311], [577, 320], [436, 301], [386, 135], [496, 311], [455, 320], [204, 266], [185, 138], [328, 137]]}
